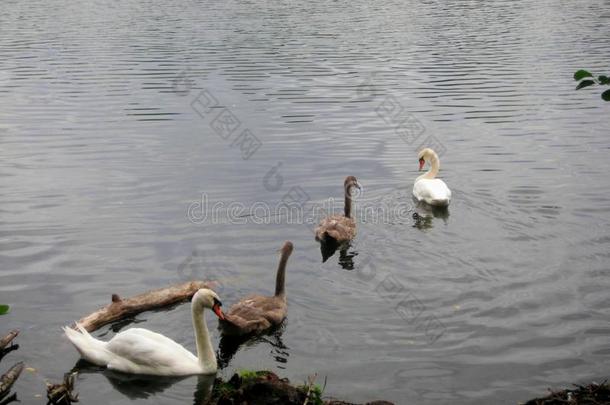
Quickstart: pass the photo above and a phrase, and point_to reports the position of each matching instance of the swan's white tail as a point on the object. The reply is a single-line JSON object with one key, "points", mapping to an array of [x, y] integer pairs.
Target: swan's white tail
{"points": [[90, 348]]}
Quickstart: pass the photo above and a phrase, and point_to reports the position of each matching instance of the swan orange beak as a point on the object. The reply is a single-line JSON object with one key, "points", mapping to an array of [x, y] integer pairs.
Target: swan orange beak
{"points": [[218, 312], [422, 162]]}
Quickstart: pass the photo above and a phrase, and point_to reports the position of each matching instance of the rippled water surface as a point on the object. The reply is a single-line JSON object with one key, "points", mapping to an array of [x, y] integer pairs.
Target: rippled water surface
{"points": [[106, 141]]}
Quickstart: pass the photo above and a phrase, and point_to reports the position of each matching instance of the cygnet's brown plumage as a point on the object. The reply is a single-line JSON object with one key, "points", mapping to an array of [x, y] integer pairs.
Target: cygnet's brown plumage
{"points": [[256, 313], [340, 228]]}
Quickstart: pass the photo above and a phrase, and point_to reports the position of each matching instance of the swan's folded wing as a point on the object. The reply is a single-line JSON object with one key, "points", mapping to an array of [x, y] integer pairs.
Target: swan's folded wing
{"points": [[431, 190], [142, 349], [421, 190], [249, 308], [337, 227], [254, 314]]}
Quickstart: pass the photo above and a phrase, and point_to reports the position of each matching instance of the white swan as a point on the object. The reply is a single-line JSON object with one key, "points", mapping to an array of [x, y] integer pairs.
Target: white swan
{"points": [[140, 351], [428, 189]]}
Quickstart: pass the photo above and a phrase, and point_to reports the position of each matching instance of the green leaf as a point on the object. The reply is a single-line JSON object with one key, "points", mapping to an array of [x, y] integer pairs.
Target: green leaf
{"points": [[606, 95], [585, 83], [581, 74], [603, 79], [4, 309]]}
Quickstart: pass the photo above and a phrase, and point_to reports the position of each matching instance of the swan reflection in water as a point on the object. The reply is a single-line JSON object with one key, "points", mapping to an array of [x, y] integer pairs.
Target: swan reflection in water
{"points": [[346, 256], [424, 214], [135, 386], [229, 345]]}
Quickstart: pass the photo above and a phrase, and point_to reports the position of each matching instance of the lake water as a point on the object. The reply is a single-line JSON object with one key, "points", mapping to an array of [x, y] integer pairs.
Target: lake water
{"points": [[123, 129]]}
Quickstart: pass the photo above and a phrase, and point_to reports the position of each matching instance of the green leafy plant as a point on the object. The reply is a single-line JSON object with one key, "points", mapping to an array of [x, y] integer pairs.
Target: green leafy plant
{"points": [[250, 374], [4, 309], [315, 393], [586, 79]]}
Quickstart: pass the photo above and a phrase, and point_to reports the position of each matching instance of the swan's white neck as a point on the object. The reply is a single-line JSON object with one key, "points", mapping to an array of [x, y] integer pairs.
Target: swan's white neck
{"points": [[205, 353], [435, 165]]}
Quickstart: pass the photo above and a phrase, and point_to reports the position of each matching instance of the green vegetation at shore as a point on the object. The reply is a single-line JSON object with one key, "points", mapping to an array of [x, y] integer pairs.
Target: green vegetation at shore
{"points": [[266, 388]]}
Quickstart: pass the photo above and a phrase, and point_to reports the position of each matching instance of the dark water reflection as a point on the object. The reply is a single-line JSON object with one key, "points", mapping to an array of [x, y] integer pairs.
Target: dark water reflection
{"points": [[105, 158], [146, 387], [228, 346]]}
